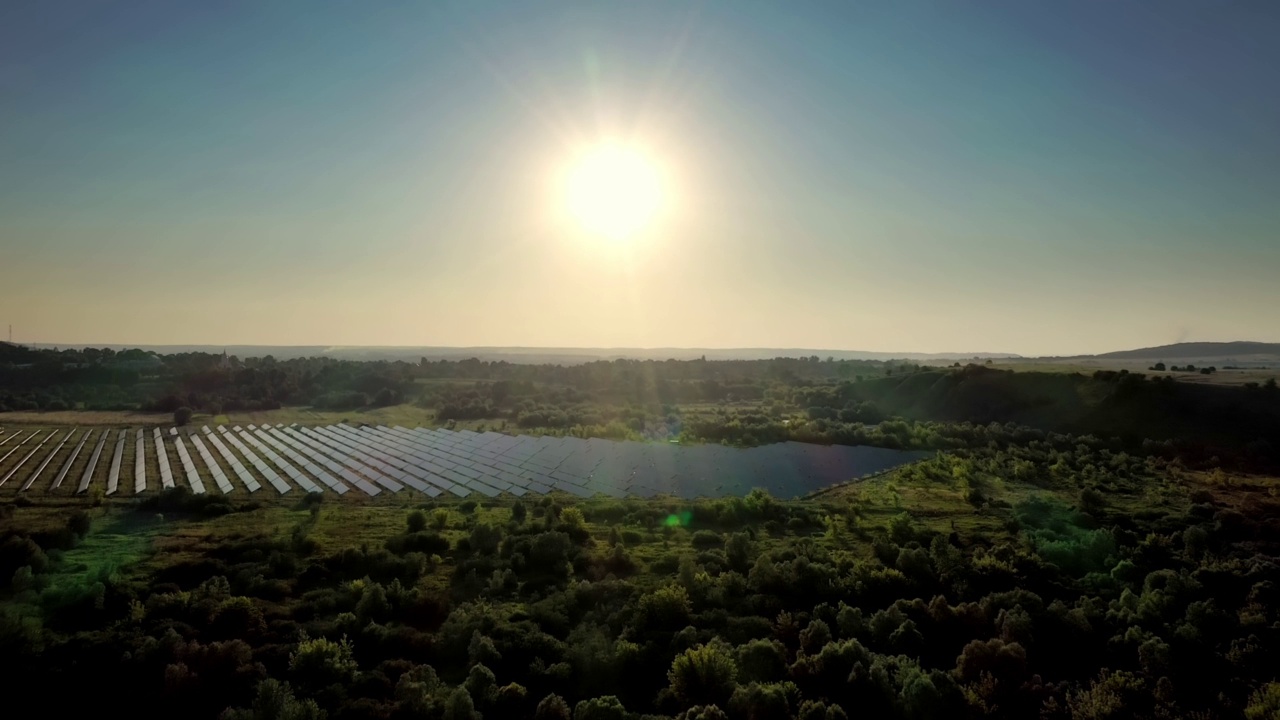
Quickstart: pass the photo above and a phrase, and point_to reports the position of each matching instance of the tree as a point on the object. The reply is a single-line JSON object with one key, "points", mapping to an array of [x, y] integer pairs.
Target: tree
{"points": [[1265, 703], [459, 706], [322, 662], [703, 712], [373, 605], [182, 416], [1007, 661], [762, 660], [703, 675], [552, 707], [481, 684], [601, 708], [275, 701], [519, 512], [667, 608]]}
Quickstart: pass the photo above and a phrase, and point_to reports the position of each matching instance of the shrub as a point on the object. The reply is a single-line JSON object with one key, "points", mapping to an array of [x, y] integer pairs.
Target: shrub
{"points": [[707, 539], [79, 523], [417, 521], [182, 416]]}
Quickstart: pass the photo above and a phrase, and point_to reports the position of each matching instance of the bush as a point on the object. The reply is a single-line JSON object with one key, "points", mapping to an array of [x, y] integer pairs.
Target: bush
{"points": [[182, 416], [417, 521], [427, 543], [80, 523], [707, 539]]}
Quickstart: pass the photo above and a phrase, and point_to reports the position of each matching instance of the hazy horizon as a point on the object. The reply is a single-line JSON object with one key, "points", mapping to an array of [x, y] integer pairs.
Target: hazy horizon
{"points": [[1004, 177]]}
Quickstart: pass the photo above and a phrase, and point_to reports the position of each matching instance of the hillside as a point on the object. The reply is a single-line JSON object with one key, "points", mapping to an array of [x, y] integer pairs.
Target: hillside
{"points": [[1242, 351]]}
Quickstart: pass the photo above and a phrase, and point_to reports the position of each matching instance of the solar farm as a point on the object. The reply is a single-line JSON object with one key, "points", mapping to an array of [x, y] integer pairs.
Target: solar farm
{"points": [[369, 461]]}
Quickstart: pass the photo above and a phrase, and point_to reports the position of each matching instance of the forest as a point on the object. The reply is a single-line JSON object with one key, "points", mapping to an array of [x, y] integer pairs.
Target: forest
{"points": [[1051, 580]]}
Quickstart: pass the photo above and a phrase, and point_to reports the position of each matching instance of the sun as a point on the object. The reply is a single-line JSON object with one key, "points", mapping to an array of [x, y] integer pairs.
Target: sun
{"points": [[613, 191]]}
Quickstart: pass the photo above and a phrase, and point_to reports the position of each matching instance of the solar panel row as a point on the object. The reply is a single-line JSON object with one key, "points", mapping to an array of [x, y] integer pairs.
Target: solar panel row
{"points": [[294, 474], [421, 463], [370, 467], [66, 466], [48, 458], [162, 457], [237, 467], [113, 476], [435, 462], [139, 463], [93, 463], [219, 477], [188, 467], [14, 470], [315, 451], [325, 445], [409, 474], [286, 446], [280, 485], [22, 442]]}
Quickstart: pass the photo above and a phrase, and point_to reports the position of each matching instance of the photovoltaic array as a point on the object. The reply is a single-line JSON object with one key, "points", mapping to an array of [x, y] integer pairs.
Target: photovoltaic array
{"points": [[433, 462]]}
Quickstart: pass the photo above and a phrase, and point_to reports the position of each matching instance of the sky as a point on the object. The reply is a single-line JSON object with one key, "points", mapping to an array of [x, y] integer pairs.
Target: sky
{"points": [[997, 176]]}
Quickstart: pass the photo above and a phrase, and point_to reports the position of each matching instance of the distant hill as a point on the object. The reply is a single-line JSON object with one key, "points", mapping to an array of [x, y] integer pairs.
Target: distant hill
{"points": [[1242, 351], [536, 355]]}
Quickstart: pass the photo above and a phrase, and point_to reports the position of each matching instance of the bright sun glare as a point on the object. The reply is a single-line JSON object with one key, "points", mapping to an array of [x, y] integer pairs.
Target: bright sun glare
{"points": [[614, 191]]}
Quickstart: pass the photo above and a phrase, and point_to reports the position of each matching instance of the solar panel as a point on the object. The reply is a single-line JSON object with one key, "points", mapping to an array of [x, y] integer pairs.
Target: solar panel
{"points": [[307, 447], [162, 457], [237, 467], [293, 473], [20, 444], [26, 457], [276, 482], [326, 444], [113, 476], [188, 467], [283, 442], [93, 463], [36, 473], [411, 475], [139, 463], [219, 477]]}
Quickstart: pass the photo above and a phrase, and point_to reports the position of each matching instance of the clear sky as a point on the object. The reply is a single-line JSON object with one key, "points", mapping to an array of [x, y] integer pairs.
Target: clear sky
{"points": [[1038, 178]]}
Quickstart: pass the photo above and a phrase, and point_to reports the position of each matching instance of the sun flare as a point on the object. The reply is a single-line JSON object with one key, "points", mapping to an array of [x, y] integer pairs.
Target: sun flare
{"points": [[614, 191]]}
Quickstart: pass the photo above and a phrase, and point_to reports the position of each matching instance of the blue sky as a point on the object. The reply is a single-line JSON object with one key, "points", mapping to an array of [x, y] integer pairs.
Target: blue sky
{"points": [[1040, 178]]}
